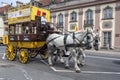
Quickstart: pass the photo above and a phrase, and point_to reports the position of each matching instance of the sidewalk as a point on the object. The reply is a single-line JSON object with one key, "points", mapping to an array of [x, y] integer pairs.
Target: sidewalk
{"points": [[105, 51]]}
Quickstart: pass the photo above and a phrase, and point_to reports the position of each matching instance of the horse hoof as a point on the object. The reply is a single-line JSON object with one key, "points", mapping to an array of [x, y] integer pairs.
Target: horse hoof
{"points": [[78, 71], [82, 65], [66, 67], [50, 65]]}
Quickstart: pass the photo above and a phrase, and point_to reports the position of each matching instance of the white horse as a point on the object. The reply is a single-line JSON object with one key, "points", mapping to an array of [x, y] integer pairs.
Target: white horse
{"points": [[69, 44]]}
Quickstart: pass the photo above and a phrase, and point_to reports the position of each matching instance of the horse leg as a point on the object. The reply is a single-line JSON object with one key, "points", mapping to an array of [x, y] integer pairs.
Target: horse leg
{"points": [[56, 55], [77, 69], [82, 61], [50, 60], [61, 58], [67, 60], [50, 52]]}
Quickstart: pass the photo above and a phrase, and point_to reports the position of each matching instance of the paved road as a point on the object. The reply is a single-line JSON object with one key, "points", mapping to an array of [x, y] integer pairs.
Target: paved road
{"points": [[99, 66]]}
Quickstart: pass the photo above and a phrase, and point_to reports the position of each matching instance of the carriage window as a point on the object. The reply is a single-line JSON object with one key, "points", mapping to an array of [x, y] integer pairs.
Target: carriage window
{"points": [[34, 31], [18, 29], [11, 30], [27, 30]]}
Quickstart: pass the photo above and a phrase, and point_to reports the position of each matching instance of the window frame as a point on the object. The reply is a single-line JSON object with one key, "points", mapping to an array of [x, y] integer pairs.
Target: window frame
{"points": [[89, 16], [60, 20], [108, 13], [73, 17]]}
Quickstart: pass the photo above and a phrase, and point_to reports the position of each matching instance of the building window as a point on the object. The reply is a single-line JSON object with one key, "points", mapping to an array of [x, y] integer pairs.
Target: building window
{"points": [[73, 16], [89, 17], [107, 12], [60, 20]]}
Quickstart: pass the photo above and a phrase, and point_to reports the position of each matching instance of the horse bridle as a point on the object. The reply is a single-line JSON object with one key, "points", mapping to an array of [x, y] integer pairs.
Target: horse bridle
{"points": [[80, 41]]}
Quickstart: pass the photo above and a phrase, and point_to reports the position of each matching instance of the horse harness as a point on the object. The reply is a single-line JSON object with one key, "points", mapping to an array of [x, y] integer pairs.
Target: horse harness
{"points": [[65, 43], [71, 45], [53, 39]]}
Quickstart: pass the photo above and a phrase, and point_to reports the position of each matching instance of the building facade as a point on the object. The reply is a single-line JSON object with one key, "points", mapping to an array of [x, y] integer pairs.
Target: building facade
{"points": [[100, 15]]}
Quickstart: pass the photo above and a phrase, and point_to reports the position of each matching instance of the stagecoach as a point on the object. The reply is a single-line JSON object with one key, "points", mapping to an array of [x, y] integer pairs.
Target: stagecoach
{"points": [[25, 37]]}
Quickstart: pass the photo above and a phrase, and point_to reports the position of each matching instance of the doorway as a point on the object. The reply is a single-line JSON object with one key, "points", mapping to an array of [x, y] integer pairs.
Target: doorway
{"points": [[107, 39]]}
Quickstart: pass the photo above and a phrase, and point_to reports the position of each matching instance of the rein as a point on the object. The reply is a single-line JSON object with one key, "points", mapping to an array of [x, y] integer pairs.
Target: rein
{"points": [[53, 39], [83, 38]]}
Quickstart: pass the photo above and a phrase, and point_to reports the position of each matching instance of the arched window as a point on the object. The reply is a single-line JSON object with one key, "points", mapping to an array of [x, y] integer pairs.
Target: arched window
{"points": [[89, 16], [60, 19], [107, 12], [73, 16]]}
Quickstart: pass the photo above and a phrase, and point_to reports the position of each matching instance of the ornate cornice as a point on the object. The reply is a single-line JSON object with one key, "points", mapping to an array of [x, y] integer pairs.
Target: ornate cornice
{"points": [[51, 16], [81, 13], [66, 14], [81, 5], [97, 11], [54, 16]]}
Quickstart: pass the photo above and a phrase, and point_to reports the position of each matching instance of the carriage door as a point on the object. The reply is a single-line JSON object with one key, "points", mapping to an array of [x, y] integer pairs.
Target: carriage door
{"points": [[107, 39]]}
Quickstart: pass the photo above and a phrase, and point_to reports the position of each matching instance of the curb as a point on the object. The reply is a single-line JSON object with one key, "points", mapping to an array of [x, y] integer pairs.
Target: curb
{"points": [[104, 51]]}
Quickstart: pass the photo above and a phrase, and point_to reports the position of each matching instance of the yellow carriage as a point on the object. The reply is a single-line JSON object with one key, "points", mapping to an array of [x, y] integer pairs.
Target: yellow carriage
{"points": [[25, 38]]}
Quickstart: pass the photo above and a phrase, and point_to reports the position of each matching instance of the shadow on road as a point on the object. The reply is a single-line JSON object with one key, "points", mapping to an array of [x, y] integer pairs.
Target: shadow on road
{"points": [[116, 62]]}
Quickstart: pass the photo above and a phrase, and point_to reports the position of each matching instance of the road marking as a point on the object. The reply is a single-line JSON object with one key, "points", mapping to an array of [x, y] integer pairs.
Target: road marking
{"points": [[107, 58], [27, 76], [44, 62], [97, 72], [6, 79], [54, 69], [86, 72]]}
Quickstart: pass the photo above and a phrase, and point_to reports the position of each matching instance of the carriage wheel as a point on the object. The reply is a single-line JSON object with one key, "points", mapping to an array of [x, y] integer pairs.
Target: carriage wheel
{"points": [[44, 55], [32, 53], [10, 52], [23, 56]]}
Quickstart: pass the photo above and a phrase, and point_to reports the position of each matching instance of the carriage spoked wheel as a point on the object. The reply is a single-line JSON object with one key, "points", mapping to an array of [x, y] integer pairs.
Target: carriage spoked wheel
{"points": [[44, 55], [23, 56], [10, 52], [32, 53]]}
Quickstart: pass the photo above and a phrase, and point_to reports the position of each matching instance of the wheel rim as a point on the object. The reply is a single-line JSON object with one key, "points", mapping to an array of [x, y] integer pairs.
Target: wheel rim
{"points": [[44, 55], [23, 56], [10, 52]]}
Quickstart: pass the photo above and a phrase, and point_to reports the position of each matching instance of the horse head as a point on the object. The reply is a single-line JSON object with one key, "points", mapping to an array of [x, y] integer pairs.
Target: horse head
{"points": [[89, 38], [85, 38]]}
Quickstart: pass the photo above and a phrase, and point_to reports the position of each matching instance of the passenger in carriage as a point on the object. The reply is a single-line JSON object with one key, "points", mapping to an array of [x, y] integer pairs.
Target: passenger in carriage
{"points": [[27, 30], [44, 22]]}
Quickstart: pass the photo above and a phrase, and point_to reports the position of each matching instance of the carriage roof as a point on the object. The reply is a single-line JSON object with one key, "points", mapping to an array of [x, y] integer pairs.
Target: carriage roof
{"points": [[26, 13]]}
